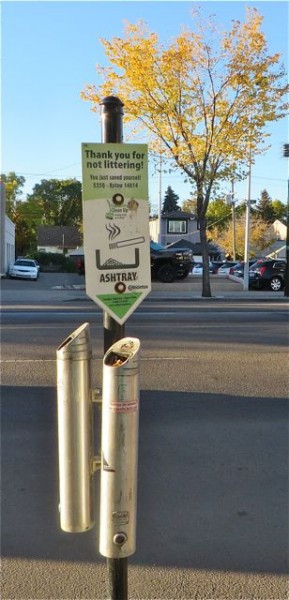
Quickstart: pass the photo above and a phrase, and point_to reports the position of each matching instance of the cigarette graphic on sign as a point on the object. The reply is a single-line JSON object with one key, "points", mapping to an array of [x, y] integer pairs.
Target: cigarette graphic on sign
{"points": [[124, 243]]}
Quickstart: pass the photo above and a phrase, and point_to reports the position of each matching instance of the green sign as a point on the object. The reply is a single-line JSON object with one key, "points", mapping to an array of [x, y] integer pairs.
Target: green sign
{"points": [[113, 168], [116, 226]]}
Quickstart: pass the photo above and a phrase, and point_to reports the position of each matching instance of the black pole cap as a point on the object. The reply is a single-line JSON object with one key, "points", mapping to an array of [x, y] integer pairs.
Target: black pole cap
{"points": [[111, 120], [110, 103]]}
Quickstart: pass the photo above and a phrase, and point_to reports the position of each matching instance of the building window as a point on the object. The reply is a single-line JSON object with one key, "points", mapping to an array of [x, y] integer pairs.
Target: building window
{"points": [[177, 226]]}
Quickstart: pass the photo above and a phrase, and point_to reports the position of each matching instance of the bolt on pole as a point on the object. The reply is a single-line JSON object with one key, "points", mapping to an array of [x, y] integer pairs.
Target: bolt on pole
{"points": [[112, 132]]}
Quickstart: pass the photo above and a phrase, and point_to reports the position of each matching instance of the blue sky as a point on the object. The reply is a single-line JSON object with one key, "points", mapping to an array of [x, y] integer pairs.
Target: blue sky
{"points": [[49, 52]]}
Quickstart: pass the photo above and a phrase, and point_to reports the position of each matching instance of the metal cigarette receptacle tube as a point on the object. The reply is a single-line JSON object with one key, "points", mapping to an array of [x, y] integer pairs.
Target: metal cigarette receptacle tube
{"points": [[75, 431], [120, 423]]}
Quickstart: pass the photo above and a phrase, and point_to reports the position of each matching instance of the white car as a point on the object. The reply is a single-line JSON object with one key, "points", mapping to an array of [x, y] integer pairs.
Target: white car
{"points": [[225, 268], [197, 269], [24, 268]]}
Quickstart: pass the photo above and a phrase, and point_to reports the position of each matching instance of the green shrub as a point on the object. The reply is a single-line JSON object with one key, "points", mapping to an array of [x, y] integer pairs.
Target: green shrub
{"points": [[54, 262]]}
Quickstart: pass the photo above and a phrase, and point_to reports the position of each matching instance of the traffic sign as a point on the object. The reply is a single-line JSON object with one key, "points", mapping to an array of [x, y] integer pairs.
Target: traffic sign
{"points": [[116, 226]]}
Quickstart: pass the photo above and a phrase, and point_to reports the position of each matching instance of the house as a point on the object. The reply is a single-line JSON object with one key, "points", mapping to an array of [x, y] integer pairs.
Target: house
{"points": [[279, 229], [173, 226], [180, 229], [58, 238], [277, 241], [7, 236]]}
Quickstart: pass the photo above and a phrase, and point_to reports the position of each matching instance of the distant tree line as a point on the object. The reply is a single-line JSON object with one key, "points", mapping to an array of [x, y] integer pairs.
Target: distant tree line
{"points": [[52, 202], [59, 202]]}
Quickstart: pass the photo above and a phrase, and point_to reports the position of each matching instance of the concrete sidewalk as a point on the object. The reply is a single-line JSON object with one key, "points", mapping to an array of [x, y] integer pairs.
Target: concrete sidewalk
{"points": [[71, 287]]}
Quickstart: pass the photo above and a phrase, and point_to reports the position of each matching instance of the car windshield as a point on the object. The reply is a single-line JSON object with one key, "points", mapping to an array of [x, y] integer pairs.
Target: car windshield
{"points": [[24, 263]]}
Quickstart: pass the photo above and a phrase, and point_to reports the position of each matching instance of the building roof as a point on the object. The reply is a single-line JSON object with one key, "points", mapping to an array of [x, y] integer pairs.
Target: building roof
{"points": [[179, 214], [62, 236]]}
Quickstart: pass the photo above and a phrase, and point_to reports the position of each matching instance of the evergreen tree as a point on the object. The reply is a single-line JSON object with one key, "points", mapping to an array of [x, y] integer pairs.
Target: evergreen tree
{"points": [[265, 208], [170, 203]]}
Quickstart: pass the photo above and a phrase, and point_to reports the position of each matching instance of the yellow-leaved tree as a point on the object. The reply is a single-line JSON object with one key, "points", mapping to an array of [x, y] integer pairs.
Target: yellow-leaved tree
{"points": [[260, 237], [205, 98]]}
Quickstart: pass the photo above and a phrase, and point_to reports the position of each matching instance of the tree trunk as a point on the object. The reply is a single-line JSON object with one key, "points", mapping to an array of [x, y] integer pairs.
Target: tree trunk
{"points": [[206, 286]]}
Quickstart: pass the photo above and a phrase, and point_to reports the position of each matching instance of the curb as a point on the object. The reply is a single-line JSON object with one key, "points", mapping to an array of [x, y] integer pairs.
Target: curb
{"points": [[160, 296]]}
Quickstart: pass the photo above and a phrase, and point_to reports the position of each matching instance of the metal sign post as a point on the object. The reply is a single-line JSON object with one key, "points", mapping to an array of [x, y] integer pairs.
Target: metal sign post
{"points": [[118, 278], [117, 264], [111, 131]]}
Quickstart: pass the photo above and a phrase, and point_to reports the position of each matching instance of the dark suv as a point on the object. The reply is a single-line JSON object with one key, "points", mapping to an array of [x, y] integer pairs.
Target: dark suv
{"points": [[168, 263], [267, 273]]}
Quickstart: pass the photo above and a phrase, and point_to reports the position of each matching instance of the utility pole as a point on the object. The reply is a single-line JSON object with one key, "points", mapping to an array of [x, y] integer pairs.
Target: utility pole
{"points": [[233, 219], [160, 200], [247, 228], [232, 196], [2, 229], [286, 286], [231, 202]]}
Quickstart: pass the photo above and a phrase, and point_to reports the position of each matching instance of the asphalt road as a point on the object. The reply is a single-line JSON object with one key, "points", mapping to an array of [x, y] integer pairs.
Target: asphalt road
{"points": [[213, 464]]}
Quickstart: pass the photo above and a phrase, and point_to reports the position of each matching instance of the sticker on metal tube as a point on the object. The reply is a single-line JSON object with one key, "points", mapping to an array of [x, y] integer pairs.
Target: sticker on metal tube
{"points": [[124, 407], [120, 517]]}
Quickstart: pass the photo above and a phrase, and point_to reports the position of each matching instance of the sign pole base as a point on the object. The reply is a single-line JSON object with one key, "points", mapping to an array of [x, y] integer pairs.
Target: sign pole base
{"points": [[117, 578], [112, 331]]}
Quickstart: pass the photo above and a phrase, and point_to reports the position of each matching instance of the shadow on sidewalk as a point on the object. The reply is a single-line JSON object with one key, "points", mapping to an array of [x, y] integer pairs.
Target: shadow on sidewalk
{"points": [[213, 482]]}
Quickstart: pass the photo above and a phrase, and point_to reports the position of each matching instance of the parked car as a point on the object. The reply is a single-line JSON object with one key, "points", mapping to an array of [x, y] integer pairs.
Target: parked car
{"points": [[224, 269], [215, 265], [267, 273], [24, 268], [198, 268], [80, 265], [238, 269], [37, 264]]}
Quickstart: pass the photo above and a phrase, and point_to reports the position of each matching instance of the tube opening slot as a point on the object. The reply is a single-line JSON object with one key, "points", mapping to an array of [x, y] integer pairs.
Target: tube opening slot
{"points": [[114, 359]]}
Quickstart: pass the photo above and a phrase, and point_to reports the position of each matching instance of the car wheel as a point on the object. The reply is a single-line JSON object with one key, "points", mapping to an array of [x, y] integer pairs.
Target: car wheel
{"points": [[166, 274], [183, 275], [276, 284]]}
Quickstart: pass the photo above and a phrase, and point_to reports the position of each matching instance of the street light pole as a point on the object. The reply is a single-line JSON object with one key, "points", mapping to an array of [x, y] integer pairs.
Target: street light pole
{"points": [[247, 229], [233, 221], [231, 202], [160, 201], [286, 286]]}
